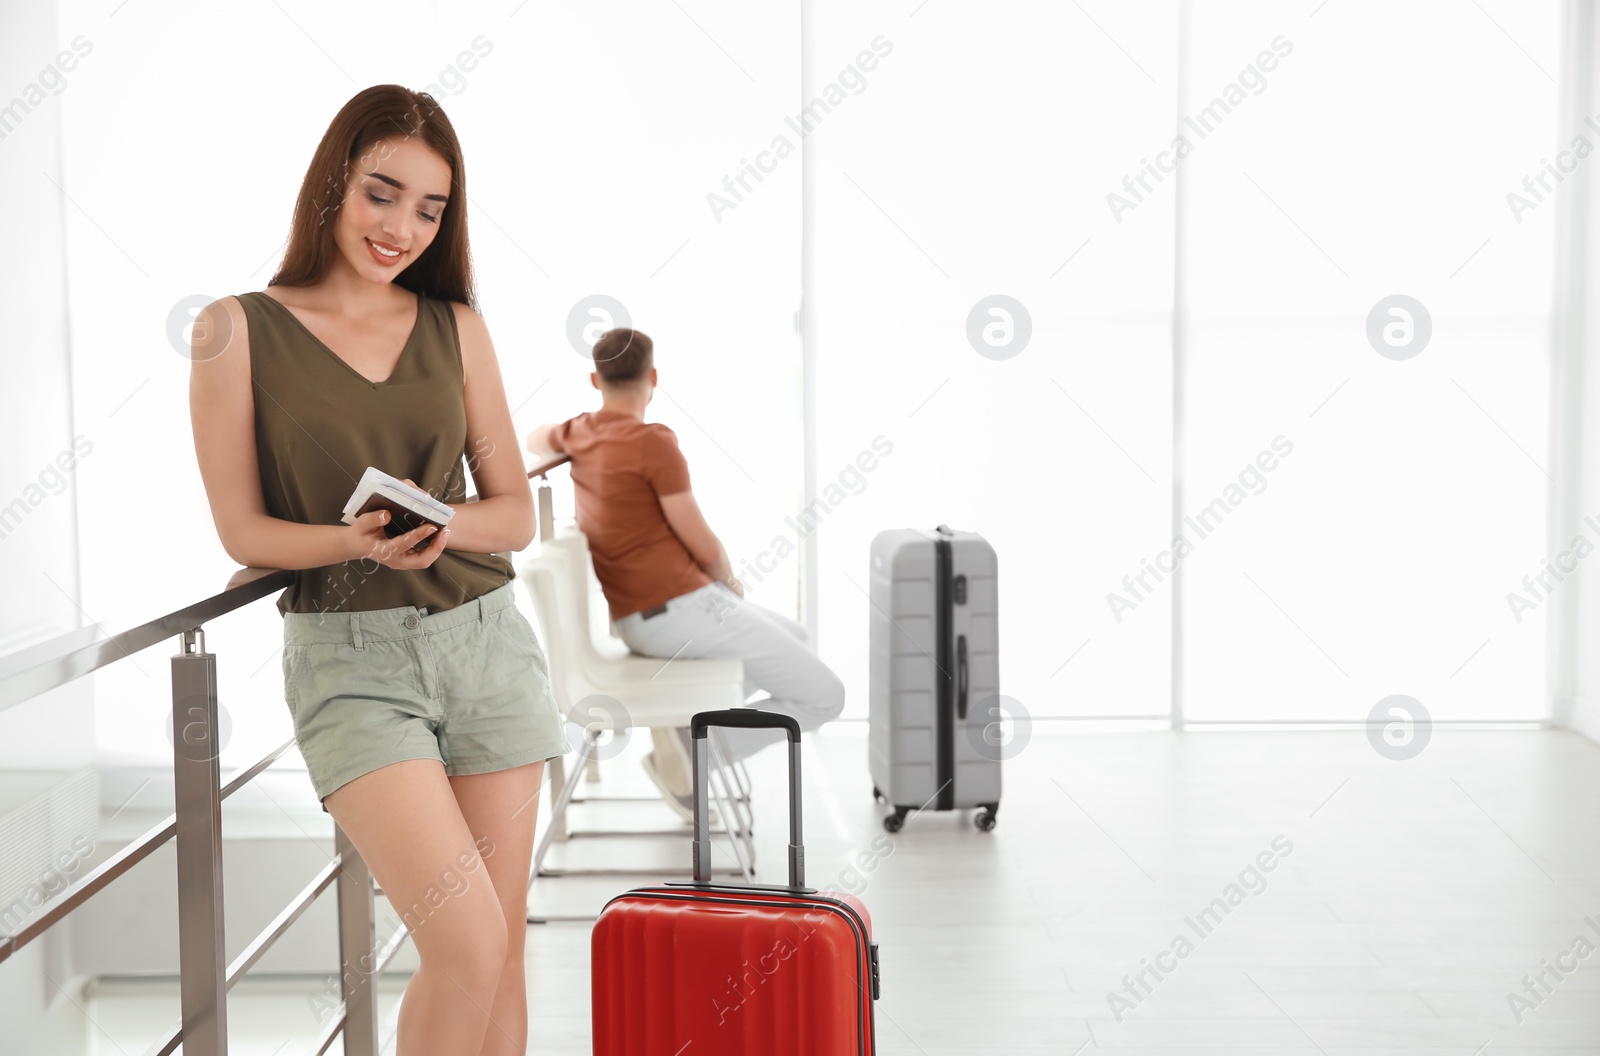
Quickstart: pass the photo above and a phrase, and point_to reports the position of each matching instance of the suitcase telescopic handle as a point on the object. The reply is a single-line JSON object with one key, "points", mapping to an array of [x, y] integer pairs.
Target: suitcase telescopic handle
{"points": [[744, 718], [748, 719]]}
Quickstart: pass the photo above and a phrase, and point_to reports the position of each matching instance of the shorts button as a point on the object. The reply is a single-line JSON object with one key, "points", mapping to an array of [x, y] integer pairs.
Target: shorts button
{"points": [[411, 623]]}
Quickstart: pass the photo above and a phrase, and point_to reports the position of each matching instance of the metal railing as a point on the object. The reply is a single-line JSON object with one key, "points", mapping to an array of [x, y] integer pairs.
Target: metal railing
{"points": [[205, 974]]}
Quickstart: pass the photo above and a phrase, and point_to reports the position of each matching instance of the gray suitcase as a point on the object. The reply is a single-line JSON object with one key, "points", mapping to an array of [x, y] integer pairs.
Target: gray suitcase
{"points": [[934, 673]]}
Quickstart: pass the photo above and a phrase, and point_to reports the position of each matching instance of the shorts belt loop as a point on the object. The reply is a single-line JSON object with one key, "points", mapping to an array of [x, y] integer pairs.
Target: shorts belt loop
{"points": [[355, 630], [483, 611]]}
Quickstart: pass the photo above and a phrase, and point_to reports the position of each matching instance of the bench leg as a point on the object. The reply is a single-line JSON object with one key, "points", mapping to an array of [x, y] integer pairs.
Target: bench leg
{"points": [[559, 811], [557, 769]]}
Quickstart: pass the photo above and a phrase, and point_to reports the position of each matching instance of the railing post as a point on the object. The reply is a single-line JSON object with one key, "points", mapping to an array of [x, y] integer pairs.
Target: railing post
{"points": [[547, 510], [197, 795], [357, 948]]}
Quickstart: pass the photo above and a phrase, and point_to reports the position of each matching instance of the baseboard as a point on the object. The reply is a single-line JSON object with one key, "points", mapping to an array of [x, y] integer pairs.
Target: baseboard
{"points": [[1579, 716]]}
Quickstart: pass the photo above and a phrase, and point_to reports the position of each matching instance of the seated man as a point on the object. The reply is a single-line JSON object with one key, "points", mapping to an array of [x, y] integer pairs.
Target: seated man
{"points": [[666, 576]]}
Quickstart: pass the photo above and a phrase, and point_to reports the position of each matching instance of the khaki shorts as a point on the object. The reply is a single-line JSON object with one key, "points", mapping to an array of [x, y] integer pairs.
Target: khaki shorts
{"points": [[469, 687]]}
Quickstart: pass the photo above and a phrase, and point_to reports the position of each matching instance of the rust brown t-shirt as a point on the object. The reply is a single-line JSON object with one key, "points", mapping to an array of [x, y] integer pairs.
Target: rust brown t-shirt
{"points": [[621, 465]]}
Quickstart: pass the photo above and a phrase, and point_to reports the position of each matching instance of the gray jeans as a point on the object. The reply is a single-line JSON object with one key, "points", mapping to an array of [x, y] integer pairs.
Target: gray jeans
{"points": [[715, 622]]}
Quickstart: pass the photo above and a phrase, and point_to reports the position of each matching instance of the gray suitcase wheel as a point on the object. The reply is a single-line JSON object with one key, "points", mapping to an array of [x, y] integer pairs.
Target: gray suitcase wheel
{"points": [[893, 822], [984, 819]]}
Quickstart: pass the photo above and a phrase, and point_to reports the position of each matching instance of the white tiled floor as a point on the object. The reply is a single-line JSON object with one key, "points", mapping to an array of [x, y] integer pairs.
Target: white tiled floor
{"points": [[1415, 898]]}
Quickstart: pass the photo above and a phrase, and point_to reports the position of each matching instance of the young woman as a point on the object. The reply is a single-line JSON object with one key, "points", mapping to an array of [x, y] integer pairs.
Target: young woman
{"points": [[418, 692]]}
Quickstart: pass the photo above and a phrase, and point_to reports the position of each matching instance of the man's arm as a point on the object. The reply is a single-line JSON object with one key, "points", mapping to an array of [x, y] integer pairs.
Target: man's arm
{"points": [[689, 525], [541, 441]]}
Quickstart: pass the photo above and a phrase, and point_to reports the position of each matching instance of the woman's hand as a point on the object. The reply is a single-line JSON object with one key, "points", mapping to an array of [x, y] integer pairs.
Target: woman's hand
{"points": [[372, 542]]}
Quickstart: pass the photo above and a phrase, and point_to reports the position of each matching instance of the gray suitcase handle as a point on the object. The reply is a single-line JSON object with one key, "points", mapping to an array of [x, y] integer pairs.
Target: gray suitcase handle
{"points": [[962, 677], [749, 719]]}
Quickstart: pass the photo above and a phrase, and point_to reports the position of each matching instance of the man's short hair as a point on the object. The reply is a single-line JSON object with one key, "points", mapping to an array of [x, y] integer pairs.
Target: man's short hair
{"points": [[622, 355]]}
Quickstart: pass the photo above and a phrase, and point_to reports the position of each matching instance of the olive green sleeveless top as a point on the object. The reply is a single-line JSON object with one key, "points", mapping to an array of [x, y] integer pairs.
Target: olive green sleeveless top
{"points": [[320, 424]]}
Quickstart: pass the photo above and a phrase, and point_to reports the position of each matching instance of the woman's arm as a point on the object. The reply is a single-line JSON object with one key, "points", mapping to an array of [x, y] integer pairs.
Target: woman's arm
{"points": [[502, 518], [223, 413]]}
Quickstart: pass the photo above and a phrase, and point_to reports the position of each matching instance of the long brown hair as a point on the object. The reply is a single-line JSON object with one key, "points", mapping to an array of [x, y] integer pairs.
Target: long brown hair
{"points": [[444, 270]]}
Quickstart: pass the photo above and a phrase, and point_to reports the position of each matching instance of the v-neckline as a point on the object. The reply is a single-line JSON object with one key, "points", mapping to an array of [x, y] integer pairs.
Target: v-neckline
{"points": [[410, 339]]}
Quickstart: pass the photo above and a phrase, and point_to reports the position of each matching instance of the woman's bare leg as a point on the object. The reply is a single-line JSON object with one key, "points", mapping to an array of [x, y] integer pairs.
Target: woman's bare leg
{"points": [[404, 820], [500, 809]]}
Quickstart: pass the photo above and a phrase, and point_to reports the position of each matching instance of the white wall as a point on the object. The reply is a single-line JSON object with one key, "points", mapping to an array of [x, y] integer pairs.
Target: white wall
{"points": [[38, 519], [38, 464], [1574, 663]]}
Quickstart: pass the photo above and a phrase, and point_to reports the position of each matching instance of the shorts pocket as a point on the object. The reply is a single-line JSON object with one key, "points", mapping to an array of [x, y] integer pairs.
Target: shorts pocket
{"points": [[293, 665], [523, 632]]}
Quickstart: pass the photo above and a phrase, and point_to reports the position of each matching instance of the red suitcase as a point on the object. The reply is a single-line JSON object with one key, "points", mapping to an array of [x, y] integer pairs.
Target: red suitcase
{"points": [[705, 969]]}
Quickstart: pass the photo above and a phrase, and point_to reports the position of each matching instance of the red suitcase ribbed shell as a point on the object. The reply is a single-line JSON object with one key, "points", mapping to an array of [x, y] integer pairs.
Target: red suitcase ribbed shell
{"points": [[705, 969], [717, 970]]}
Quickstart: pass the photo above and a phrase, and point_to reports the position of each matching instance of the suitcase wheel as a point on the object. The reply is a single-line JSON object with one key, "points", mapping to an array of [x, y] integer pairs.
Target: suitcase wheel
{"points": [[984, 819], [893, 822], [878, 795]]}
